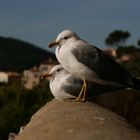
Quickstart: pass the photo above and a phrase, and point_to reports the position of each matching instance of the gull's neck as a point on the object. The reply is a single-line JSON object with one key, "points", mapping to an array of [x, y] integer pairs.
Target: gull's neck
{"points": [[69, 44]]}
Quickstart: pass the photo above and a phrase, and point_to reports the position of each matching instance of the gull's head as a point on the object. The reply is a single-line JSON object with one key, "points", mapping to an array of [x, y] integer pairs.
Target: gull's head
{"points": [[64, 37], [54, 71]]}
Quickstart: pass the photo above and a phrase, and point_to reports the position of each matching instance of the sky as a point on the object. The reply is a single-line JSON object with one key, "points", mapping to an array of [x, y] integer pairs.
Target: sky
{"points": [[40, 21]]}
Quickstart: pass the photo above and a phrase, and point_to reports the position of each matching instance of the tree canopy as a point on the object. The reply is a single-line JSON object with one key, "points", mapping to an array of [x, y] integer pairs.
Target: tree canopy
{"points": [[117, 38], [138, 42]]}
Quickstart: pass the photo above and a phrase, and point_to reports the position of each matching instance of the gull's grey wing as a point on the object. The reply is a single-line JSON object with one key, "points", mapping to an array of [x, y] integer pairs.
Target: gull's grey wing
{"points": [[102, 64], [73, 86]]}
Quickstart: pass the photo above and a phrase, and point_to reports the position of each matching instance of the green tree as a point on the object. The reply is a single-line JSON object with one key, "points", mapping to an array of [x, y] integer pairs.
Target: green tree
{"points": [[117, 38], [138, 42]]}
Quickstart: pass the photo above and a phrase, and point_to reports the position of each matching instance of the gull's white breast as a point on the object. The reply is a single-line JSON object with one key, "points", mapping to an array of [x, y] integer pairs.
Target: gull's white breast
{"points": [[56, 87], [70, 63]]}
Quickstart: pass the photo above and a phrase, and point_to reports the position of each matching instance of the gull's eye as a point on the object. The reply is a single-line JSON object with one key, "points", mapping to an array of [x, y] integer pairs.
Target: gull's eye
{"points": [[58, 70], [65, 37]]}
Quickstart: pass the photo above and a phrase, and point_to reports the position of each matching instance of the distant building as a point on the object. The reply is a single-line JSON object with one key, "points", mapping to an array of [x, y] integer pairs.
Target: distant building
{"points": [[31, 78], [12, 136], [3, 77], [125, 58], [45, 67], [111, 52]]}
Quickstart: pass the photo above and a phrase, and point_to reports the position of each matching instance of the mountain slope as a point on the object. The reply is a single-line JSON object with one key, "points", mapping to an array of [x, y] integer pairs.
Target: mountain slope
{"points": [[16, 55]]}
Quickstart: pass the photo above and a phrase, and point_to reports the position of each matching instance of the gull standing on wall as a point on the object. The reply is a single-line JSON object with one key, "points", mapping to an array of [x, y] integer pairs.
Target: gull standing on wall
{"points": [[89, 63], [64, 86]]}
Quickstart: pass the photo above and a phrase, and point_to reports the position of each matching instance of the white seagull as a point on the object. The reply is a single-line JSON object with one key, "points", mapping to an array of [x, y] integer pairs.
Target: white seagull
{"points": [[59, 81], [64, 86], [89, 63]]}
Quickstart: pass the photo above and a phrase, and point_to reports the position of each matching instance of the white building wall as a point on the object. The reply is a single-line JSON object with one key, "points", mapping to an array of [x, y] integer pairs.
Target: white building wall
{"points": [[3, 77]]}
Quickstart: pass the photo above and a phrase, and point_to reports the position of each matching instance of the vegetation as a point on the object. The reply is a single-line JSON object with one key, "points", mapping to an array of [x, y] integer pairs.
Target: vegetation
{"points": [[138, 42], [17, 55], [127, 49], [17, 105], [133, 65], [117, 38]]}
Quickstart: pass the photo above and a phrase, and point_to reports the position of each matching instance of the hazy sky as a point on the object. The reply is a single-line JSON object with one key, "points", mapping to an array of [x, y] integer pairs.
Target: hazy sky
{"points": [[39, 21]]}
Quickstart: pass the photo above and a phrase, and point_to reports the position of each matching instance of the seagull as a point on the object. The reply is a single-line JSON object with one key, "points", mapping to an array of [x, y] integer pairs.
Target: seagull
{"points": [[64, 86], [89, 63], [59, 81]]}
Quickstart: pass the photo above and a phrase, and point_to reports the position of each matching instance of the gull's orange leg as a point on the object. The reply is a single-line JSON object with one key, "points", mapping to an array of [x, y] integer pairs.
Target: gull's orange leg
{"points": [[85, 89], [82, 95]]}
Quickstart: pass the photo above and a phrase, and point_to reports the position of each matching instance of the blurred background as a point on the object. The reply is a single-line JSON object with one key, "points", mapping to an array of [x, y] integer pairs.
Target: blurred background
{"points": [[26, 28]]}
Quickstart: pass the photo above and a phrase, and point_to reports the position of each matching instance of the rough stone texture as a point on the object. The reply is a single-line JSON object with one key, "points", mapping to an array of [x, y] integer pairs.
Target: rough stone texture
{"points": [[124, 102], [77, 121]]}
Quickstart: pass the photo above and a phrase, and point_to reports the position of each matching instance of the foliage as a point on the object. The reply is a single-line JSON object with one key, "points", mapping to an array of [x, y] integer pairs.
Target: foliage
{"points": [[138, 42], [128, 49], [18, 104], [117, 38], [133, 65], [16, 55]]}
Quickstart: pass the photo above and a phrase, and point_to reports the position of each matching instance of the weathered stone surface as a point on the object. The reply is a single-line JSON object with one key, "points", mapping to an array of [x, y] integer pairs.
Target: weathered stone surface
{"points": [[77, 121], [123, 102]]}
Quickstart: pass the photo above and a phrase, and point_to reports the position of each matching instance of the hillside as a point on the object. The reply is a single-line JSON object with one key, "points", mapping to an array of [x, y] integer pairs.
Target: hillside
{"points": [[16, 55]]}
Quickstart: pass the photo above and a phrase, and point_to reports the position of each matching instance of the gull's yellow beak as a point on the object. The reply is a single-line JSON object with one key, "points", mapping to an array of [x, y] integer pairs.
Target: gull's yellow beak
{"points": [[45, 75], [53, 44]]}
